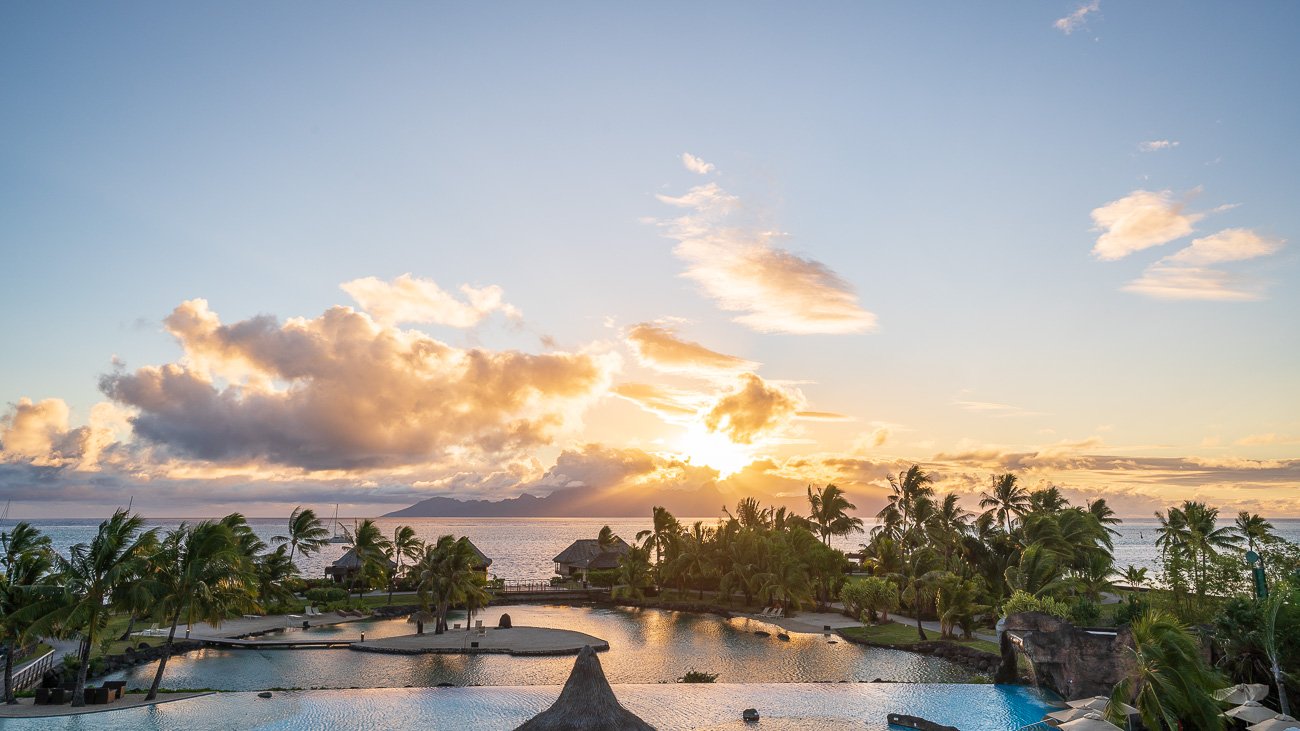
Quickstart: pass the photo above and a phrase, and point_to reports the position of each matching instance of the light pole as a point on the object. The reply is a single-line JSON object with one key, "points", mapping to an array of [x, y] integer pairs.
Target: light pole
{"points": [[1257, 572]]}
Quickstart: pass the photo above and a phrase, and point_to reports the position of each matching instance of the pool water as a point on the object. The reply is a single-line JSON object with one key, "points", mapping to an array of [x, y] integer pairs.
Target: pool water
{"points": [[646, 646], [807, 707]]}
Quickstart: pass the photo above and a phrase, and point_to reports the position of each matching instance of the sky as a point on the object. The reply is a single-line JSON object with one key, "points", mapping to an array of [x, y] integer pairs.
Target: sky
{"points": [[263, 255]]}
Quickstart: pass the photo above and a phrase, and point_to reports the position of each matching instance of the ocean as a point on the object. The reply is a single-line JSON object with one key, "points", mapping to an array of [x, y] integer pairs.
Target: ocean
{"points": [[523, 548]]}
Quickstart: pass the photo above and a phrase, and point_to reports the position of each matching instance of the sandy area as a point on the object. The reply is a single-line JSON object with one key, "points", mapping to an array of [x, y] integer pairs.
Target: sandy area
{"points": [[515, 641], [27, 707], [250, 625]]}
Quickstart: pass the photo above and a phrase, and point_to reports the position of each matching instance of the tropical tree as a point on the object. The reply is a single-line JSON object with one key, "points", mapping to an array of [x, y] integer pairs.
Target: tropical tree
{"points": [[1270, 636], [447, 576], [306, 534], [1256, 531], [25, 590], [92, 575], [633, 573], [370, 547], [274, 571], [1005, 499], [197, 573], [958, 604], [870, 598], [406, 545], [607, 538], [1038, 573], [1168, 682], [694, 559], [1134, 576], [829, 513], [661, 536]]}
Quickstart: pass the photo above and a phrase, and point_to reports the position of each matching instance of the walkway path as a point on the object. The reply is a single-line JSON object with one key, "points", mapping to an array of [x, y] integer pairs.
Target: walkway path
{"points": [[516, 640], [27, 708], [934, 627]]}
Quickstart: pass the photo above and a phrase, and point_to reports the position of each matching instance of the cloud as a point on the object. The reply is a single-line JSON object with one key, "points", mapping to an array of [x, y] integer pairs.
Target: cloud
{"points": [[744, 270], [755, 409], [1078, 18], [1138, 221], [659, 347], [1230, 244], [1269, 438], [1157, 145], [39, 433], [995, 409], [696, 165], [1185, 276], [670, 404], [345, 392], [409, 299]]}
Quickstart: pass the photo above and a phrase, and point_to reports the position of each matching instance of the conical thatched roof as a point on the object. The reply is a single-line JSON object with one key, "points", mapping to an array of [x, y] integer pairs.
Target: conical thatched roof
{"points": [[587, 703]]}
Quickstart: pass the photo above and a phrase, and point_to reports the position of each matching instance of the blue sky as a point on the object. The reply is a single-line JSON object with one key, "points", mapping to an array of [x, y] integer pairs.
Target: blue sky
{"points": [[944, 161]]}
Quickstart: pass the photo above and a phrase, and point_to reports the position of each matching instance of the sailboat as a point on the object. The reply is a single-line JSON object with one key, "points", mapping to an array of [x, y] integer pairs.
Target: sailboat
{"points": [[337, 537]]}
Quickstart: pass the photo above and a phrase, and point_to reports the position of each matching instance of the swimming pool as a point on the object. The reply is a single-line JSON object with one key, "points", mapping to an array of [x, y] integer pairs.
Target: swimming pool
{"points": [[646, 646], [717, 707]]}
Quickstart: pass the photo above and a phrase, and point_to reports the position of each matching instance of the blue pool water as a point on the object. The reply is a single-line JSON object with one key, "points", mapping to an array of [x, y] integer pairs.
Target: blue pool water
{"points": [[646, 646], [803, 706]]}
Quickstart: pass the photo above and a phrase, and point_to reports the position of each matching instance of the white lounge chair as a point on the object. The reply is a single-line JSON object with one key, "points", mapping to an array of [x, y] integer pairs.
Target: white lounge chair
{"points": [[767, 612]]}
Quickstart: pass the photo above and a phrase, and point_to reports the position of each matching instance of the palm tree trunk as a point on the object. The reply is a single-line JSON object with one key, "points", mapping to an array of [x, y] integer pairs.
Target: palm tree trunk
{"points": [[79, 688], [920, 631], [162, 663], [1280, 679], [9, 673]]}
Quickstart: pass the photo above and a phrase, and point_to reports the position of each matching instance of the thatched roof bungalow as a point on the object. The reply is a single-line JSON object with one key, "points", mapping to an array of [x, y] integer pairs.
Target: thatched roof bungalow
{"points": [[586, 554], [348, 564]]}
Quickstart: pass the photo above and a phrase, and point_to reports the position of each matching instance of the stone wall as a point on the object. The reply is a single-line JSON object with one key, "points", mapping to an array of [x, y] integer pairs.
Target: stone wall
{"points": [[1074, 662]]}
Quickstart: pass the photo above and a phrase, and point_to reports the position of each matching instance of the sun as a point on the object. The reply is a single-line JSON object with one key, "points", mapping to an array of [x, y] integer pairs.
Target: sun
{"points": [[702, 447]]}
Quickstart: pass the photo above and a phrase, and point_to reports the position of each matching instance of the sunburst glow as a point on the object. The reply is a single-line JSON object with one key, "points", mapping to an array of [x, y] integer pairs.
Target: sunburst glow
{"points": [[703, 447]]}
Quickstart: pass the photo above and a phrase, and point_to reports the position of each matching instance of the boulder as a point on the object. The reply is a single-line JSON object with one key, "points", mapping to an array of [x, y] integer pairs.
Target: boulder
{"points": [[504, 622]]}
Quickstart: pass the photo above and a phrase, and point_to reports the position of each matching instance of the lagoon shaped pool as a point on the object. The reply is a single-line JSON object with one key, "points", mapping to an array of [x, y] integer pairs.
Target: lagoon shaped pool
{"points": [[784, 706], [646, 646]]}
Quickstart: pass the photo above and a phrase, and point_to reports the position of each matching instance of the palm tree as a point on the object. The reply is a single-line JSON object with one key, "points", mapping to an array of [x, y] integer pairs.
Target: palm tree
{"points": [[829, 513], [661, 536], [1047, 500], [1104, 515], [694, 557], [306, 535], [92, 575], [447, 577], [1038, 573], [907, 489], [1268, 637], [633, 573], [25, 590], [607, 539], [1005, 499], [404, 545], [1134, 576], [274, 570], [370, 548], [198, 573], [1204, 536], [1255, 530], [1168, 682]]}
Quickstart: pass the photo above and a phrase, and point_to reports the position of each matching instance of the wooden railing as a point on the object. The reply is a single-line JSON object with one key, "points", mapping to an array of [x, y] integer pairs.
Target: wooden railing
{"points": [[512, 586], [31, 673]]}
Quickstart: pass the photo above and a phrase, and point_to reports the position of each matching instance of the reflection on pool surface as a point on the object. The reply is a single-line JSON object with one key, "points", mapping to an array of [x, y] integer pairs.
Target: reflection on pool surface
{"points": [[808, 707], [646, 646]]}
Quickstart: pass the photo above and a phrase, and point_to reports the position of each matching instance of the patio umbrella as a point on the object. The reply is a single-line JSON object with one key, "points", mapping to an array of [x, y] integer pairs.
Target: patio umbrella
{"points": [[1098, 703], [1251, 712], [1280, 722], [1242, 692], [1070, 714], [586, 703], [1090, 721]]}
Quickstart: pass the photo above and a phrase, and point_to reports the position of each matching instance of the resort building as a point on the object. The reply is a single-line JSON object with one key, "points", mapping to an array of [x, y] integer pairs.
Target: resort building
{"points": [[587, 555]]}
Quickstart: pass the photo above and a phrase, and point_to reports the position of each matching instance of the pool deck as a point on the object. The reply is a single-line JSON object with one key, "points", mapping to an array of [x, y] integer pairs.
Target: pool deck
{"points": [[27, 708], [807, 622], [517, 640], [246, 626]]}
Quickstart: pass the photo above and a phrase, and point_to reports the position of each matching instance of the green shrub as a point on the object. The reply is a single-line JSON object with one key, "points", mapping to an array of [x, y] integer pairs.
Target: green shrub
{"points": [[326, 594], [1131, 609], [1085, 612], [696, 676], [604, 578], [1023, 601], [869, 596]]}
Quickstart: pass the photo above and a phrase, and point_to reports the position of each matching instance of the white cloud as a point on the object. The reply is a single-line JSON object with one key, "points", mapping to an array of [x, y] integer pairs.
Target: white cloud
{"points": [[1138, 221], [1078, 18], [1230, 244], [743, 270], [658, 347], [409, 299], [696, 165], [1185, 275], [995, 409], [1157, 145]]}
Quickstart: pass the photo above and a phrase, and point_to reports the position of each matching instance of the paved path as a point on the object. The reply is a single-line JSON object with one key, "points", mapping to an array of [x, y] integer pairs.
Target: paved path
{"points": [[933, 627], [252, 625], [27, 708], [517, 640]]}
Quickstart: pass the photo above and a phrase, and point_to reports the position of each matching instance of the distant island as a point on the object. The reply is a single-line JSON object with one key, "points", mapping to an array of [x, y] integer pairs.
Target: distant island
{"points": [[570, 503]]}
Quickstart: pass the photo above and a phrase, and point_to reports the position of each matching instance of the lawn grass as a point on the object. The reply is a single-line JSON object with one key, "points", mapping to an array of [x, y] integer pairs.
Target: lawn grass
{"points": [[902, 635]]}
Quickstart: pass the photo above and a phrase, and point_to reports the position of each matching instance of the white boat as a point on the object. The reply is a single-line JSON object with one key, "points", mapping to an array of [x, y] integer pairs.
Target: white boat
{"points": [[337, 537]]}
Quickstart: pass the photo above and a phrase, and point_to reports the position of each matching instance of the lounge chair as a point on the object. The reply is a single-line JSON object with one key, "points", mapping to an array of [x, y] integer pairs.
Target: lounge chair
{"points": [[116, 689], [777, 613]]}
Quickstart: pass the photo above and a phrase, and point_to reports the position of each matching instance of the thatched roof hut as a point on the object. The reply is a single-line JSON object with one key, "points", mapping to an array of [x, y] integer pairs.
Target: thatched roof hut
{"points": [[586, 554], [587, 703]]}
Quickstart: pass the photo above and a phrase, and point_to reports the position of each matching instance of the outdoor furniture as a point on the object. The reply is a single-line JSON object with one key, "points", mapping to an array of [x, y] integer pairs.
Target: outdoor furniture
{"points": [[51, 696], [116, 687], [1241, 693], [1280, 722], [96, 696], [1251, 712]]}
